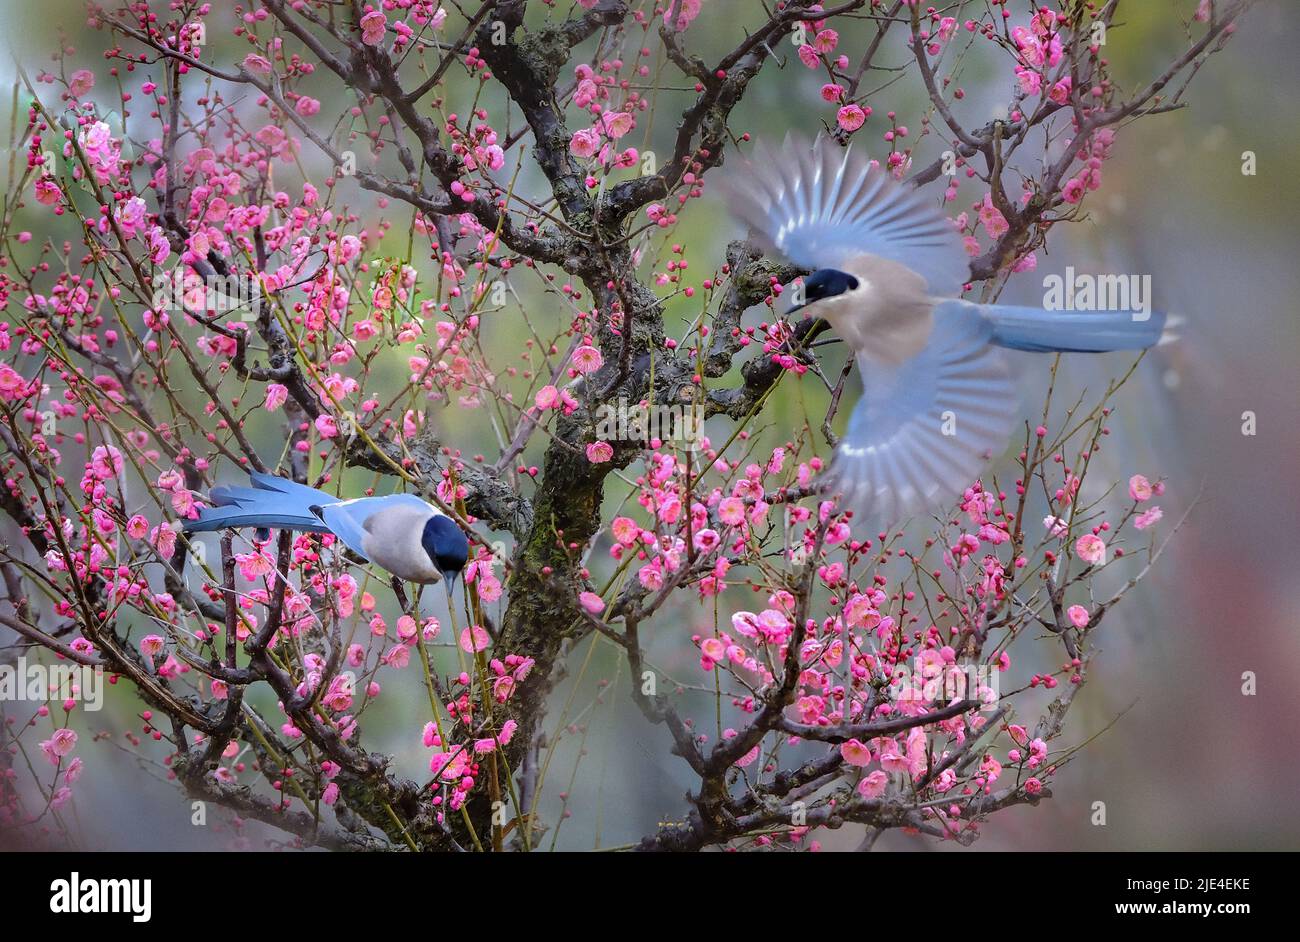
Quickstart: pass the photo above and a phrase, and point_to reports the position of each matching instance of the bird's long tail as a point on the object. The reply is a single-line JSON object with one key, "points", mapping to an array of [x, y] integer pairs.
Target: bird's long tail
{"points": [[1042, 331], [271, 502], [923, 431]]}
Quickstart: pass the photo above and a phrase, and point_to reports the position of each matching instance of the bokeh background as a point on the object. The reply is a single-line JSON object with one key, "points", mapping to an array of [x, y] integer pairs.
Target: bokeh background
{"points": [[1192, 763]]}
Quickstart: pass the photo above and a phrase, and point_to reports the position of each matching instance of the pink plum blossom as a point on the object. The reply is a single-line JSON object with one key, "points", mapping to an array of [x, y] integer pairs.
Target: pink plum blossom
{"points": [[373, 26], [1090, 549], [873, 785]]}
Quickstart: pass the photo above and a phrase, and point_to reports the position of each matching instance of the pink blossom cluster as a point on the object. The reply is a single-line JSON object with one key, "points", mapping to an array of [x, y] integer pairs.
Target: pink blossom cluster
{"points": [[870, 631]]}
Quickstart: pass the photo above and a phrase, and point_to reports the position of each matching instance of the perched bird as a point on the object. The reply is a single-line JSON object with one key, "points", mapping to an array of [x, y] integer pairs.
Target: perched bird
{"points": [[938, 401], [413, 540]]}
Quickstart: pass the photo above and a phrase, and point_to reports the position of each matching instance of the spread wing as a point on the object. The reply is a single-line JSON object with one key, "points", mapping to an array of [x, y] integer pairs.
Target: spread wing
{"points": [[820, 204], [347, 518], [924, 430]]}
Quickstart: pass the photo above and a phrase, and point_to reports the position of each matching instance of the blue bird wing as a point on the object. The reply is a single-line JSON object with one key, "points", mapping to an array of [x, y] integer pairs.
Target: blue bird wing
{"points": [[347, 519], [822, 205], [272, 502], [300, 493], [923, 431]]}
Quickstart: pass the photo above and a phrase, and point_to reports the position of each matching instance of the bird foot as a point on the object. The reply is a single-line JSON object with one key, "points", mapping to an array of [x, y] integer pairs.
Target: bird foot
{"points": [[400, 592]]}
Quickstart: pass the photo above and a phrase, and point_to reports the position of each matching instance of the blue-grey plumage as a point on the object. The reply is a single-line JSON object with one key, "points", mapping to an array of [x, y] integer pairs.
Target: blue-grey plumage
{"points": [[938, 401], [1040, 331], [410, 538]]}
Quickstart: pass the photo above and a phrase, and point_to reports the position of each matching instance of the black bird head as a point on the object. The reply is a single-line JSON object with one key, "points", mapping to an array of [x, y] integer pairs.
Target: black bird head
{"points": [[825, 283], [446, 546]]}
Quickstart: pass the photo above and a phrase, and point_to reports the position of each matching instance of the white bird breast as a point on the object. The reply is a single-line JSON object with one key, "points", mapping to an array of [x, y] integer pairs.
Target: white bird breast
{"points": [[393, 541], [888, 316]]}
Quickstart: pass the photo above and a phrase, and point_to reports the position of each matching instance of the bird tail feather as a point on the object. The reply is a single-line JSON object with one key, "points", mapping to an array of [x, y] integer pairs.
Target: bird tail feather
{"points": [[272, 502], [1042, 331]]}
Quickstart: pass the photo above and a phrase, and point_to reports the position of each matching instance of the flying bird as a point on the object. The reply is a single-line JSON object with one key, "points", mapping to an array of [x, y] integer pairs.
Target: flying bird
{"points": [[413, 540], [938, 401]]}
